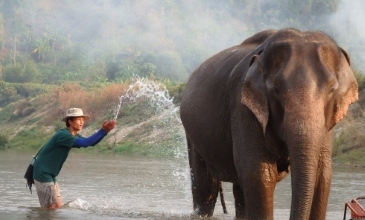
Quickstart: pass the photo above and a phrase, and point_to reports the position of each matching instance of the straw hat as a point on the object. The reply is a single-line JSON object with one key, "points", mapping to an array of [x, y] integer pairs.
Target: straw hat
{"points": [[75, 112]]}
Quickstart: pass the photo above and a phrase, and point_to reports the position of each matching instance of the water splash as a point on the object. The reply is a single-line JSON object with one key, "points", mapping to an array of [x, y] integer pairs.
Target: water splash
{"points": [[146, 88], [78, 204], [165, 115]]}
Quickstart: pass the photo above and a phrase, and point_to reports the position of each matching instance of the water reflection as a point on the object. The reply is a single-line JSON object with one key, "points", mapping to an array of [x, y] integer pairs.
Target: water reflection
{"points": [[119, 187]]}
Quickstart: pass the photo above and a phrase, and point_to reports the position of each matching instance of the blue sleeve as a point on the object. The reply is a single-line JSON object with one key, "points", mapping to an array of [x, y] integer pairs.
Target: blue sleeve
{"points": [[92, 140]]}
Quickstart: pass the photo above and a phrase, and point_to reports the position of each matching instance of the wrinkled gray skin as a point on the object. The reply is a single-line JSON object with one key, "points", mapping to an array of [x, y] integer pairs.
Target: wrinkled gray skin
{"points": [[253, 109]]}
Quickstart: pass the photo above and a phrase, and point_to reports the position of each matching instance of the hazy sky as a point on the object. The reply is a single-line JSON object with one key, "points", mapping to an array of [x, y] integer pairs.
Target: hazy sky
{"points": [[350, 19], [131, 26]]}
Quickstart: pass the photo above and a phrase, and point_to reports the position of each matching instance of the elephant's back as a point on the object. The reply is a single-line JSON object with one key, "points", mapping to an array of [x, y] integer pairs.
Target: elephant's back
{"points": [[205, 98], [205, 111], [207, 90], [209, 85]]}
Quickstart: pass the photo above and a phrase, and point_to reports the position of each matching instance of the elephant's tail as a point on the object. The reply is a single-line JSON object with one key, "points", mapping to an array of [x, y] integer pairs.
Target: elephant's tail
{"points": [[222, 197]]}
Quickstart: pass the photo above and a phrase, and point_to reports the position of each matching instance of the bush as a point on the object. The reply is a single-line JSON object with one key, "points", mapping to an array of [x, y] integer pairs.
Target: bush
{"points": [[28, 72], [124, 148], [360, 79], [3, 141], [176, 91], [33, 138], [31, 89], [98, 102], [12, 73], [169, 65], [23, 108], [8, 93]]}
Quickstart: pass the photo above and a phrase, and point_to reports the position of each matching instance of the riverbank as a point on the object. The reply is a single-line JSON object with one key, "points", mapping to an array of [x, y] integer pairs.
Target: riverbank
{"points": [[148, 122]]}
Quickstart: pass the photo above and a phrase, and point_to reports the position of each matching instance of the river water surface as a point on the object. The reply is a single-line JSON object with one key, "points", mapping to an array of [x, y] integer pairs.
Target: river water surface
{"points": [[121, 187]]}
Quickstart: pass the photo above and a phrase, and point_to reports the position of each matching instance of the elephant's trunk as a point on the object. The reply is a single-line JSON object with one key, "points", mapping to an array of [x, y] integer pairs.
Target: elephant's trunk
{"points": [[304, 141]]}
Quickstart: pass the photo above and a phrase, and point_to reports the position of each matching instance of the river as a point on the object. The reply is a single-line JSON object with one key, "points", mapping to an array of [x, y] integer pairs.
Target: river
{"points": [[124, 187]]}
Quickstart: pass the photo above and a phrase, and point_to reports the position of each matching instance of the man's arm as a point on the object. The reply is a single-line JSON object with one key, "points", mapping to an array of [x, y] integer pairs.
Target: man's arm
{"points": [[94, 139]]}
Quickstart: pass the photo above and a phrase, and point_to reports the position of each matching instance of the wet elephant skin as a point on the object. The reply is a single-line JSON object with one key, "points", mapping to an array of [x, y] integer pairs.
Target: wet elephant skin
{"points": [[257, 111]]}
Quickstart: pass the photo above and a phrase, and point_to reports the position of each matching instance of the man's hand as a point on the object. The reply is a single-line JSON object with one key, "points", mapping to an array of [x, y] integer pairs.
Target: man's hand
{"points": [[109, 125]]}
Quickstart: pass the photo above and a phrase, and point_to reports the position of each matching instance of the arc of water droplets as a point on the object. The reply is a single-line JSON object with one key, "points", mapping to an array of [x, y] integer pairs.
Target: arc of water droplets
{"points": [[162, 105], [144, 87]]}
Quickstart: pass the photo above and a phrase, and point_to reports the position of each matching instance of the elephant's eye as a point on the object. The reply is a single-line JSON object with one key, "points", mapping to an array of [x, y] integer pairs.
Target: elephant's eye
{"points": [[331, 91], [333, 88]]}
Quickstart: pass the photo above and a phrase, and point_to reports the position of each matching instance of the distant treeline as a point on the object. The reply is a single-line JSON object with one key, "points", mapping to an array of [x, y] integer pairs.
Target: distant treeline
{"points": [[51, 41]]}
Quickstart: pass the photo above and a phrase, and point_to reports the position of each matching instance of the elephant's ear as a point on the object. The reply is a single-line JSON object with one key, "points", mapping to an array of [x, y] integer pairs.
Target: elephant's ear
{"points": [[254, 92], [347, 91]]}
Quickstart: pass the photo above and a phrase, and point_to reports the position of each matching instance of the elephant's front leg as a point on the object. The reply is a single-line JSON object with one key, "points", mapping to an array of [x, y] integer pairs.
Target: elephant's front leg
{"points": [[204, 187], [258, 183]]}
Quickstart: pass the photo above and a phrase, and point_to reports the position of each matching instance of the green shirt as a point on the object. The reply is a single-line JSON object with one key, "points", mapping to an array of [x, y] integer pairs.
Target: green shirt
{"points": [[52, 156]]}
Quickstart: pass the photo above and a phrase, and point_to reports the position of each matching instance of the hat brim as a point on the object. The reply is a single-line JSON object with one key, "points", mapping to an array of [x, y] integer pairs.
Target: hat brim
{"points": [[86, 117]]}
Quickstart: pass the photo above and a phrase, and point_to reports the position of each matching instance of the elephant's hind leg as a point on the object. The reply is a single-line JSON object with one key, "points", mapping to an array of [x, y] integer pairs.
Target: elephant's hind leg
{"points": [[204, 187], [239, 201]]}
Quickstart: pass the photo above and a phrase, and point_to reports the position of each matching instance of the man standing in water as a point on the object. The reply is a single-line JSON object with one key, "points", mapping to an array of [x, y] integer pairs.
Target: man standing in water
{"points": [[54, 153]]}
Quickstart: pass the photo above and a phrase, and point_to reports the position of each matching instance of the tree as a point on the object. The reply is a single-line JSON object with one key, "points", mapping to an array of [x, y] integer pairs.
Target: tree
{"points": [[2, 32], [28, 72], [41, 47]]}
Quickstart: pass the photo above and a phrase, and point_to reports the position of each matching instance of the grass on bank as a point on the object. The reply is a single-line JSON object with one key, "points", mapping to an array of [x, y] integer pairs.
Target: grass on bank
{"points": [[29, 130]]}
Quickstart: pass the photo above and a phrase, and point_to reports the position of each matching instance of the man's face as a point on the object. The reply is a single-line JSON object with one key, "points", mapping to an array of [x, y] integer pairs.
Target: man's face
{"points": [[76, 123]]}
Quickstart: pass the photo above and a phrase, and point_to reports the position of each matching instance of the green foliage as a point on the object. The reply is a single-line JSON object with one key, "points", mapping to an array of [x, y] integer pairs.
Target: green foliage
{"points": [[12, 73], [31, 121], [136, 112], [23, 108], [147, 69], [6, 112], [128, 69], [360, 79], [21, 73], [169, 65], [3, 141], [126, 72], [8, 93], [41, 46], [338, 142], [33, 138], [351, 158], [175, 90], [2, 30], [31, 89], [58, 124], [125, 148], [193, 56], [167, 39]]}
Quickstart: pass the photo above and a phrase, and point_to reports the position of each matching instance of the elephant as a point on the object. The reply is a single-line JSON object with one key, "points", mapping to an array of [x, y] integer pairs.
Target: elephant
{"points": [[260, 110]]}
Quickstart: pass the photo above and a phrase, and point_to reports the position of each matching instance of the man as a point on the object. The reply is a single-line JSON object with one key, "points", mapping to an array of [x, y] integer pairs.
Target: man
{"points": [[54, 153]]}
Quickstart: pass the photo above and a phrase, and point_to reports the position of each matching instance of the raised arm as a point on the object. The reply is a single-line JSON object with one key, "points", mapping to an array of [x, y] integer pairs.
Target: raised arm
{"points": [[94, 139]]}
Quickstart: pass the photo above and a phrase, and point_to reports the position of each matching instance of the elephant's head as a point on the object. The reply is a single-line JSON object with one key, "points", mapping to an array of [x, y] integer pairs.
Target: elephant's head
{"points": [[300, 85], [290, 65]]}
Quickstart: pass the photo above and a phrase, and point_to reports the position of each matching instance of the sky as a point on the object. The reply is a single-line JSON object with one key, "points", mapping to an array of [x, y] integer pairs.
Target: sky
{"points": [[132, 26], [350, 18], [216, 31]]}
